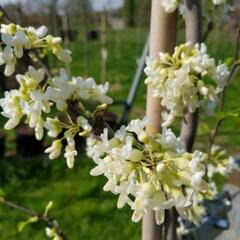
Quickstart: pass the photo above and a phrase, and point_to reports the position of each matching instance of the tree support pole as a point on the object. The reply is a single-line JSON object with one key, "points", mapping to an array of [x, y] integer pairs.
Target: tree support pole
{"points": [[163, 31]]}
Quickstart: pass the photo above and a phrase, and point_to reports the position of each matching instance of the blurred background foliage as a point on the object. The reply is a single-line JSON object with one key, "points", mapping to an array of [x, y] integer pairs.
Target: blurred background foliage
{"points": [[81, 207]]}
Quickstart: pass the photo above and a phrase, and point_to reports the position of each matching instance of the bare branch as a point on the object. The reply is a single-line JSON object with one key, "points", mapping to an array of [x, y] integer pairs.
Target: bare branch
{"points": [[49, 222], [5, 15], [208, 31], [41, 63]]}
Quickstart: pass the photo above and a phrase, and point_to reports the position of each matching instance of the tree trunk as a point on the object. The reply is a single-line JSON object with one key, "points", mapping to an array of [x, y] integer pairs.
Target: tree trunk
{"points": [[190, 120], [193, 15], [162, 39]]}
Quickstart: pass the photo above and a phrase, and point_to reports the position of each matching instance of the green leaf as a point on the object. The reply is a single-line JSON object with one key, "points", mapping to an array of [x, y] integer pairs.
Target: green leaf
{"points": [[23, 224], [229, 61], [2, 193], [234, 113], [47, 208]]}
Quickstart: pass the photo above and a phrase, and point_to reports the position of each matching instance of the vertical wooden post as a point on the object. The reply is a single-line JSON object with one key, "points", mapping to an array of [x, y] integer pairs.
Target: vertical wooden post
{"points": [[104, 51], [163, 31], [65, 29]]}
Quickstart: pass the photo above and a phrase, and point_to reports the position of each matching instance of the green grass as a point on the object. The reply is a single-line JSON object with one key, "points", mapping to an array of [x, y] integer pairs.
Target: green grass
{"points": [[124, 48], [82, 208]]}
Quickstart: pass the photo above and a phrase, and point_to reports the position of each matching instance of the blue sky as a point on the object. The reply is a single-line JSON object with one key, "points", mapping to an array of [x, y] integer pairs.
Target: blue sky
{"points": [[98, 5]]}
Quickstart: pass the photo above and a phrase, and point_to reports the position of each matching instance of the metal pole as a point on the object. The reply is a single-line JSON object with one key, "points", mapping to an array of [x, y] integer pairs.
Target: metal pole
{"points": [[135, 85]]}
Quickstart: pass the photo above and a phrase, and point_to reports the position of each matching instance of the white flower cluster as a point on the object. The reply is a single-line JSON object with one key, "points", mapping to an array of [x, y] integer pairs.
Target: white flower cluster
{"points": [[179, 80], [171, 5], [51, 233], [220, 163], [148, 173], [16, 39], [198, 211], [219, 166], [35, 98]]}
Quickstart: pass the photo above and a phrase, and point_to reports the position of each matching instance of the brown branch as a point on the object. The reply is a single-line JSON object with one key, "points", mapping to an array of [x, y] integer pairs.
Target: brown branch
{"points": [[50, 222], [97, 121], [41, 63], [236, 56], [5, 15], [193, 23], [208, 31]]}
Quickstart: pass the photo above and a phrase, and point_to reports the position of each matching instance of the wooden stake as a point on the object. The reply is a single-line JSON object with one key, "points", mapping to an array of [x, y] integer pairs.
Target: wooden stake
{"points": [[163, 31], [104, 51]]}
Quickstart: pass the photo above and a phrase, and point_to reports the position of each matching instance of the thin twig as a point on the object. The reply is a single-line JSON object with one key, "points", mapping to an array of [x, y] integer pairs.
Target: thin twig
{"points": [[238, 45], [207, 32], [42, 64], [219, 122], [50, 222], [5, 15]]}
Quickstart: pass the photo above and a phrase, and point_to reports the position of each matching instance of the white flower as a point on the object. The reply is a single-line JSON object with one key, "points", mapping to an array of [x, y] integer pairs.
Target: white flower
{"points": [[218, 2], [39, 129], [53, 125], [17, 42], [137, 126], [169, 141], [197, 160], [64, 55], [196, 180], [60, 91], [11, 108], [221, 75], [170, 5], [39, 32], [7, 57], [17, 39], [89, 90], [84, 124], [31, 79], [51, 232], [90, 150], [220, 163], [147, 175], [70, 151], [179, 80], [55, 150]]}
